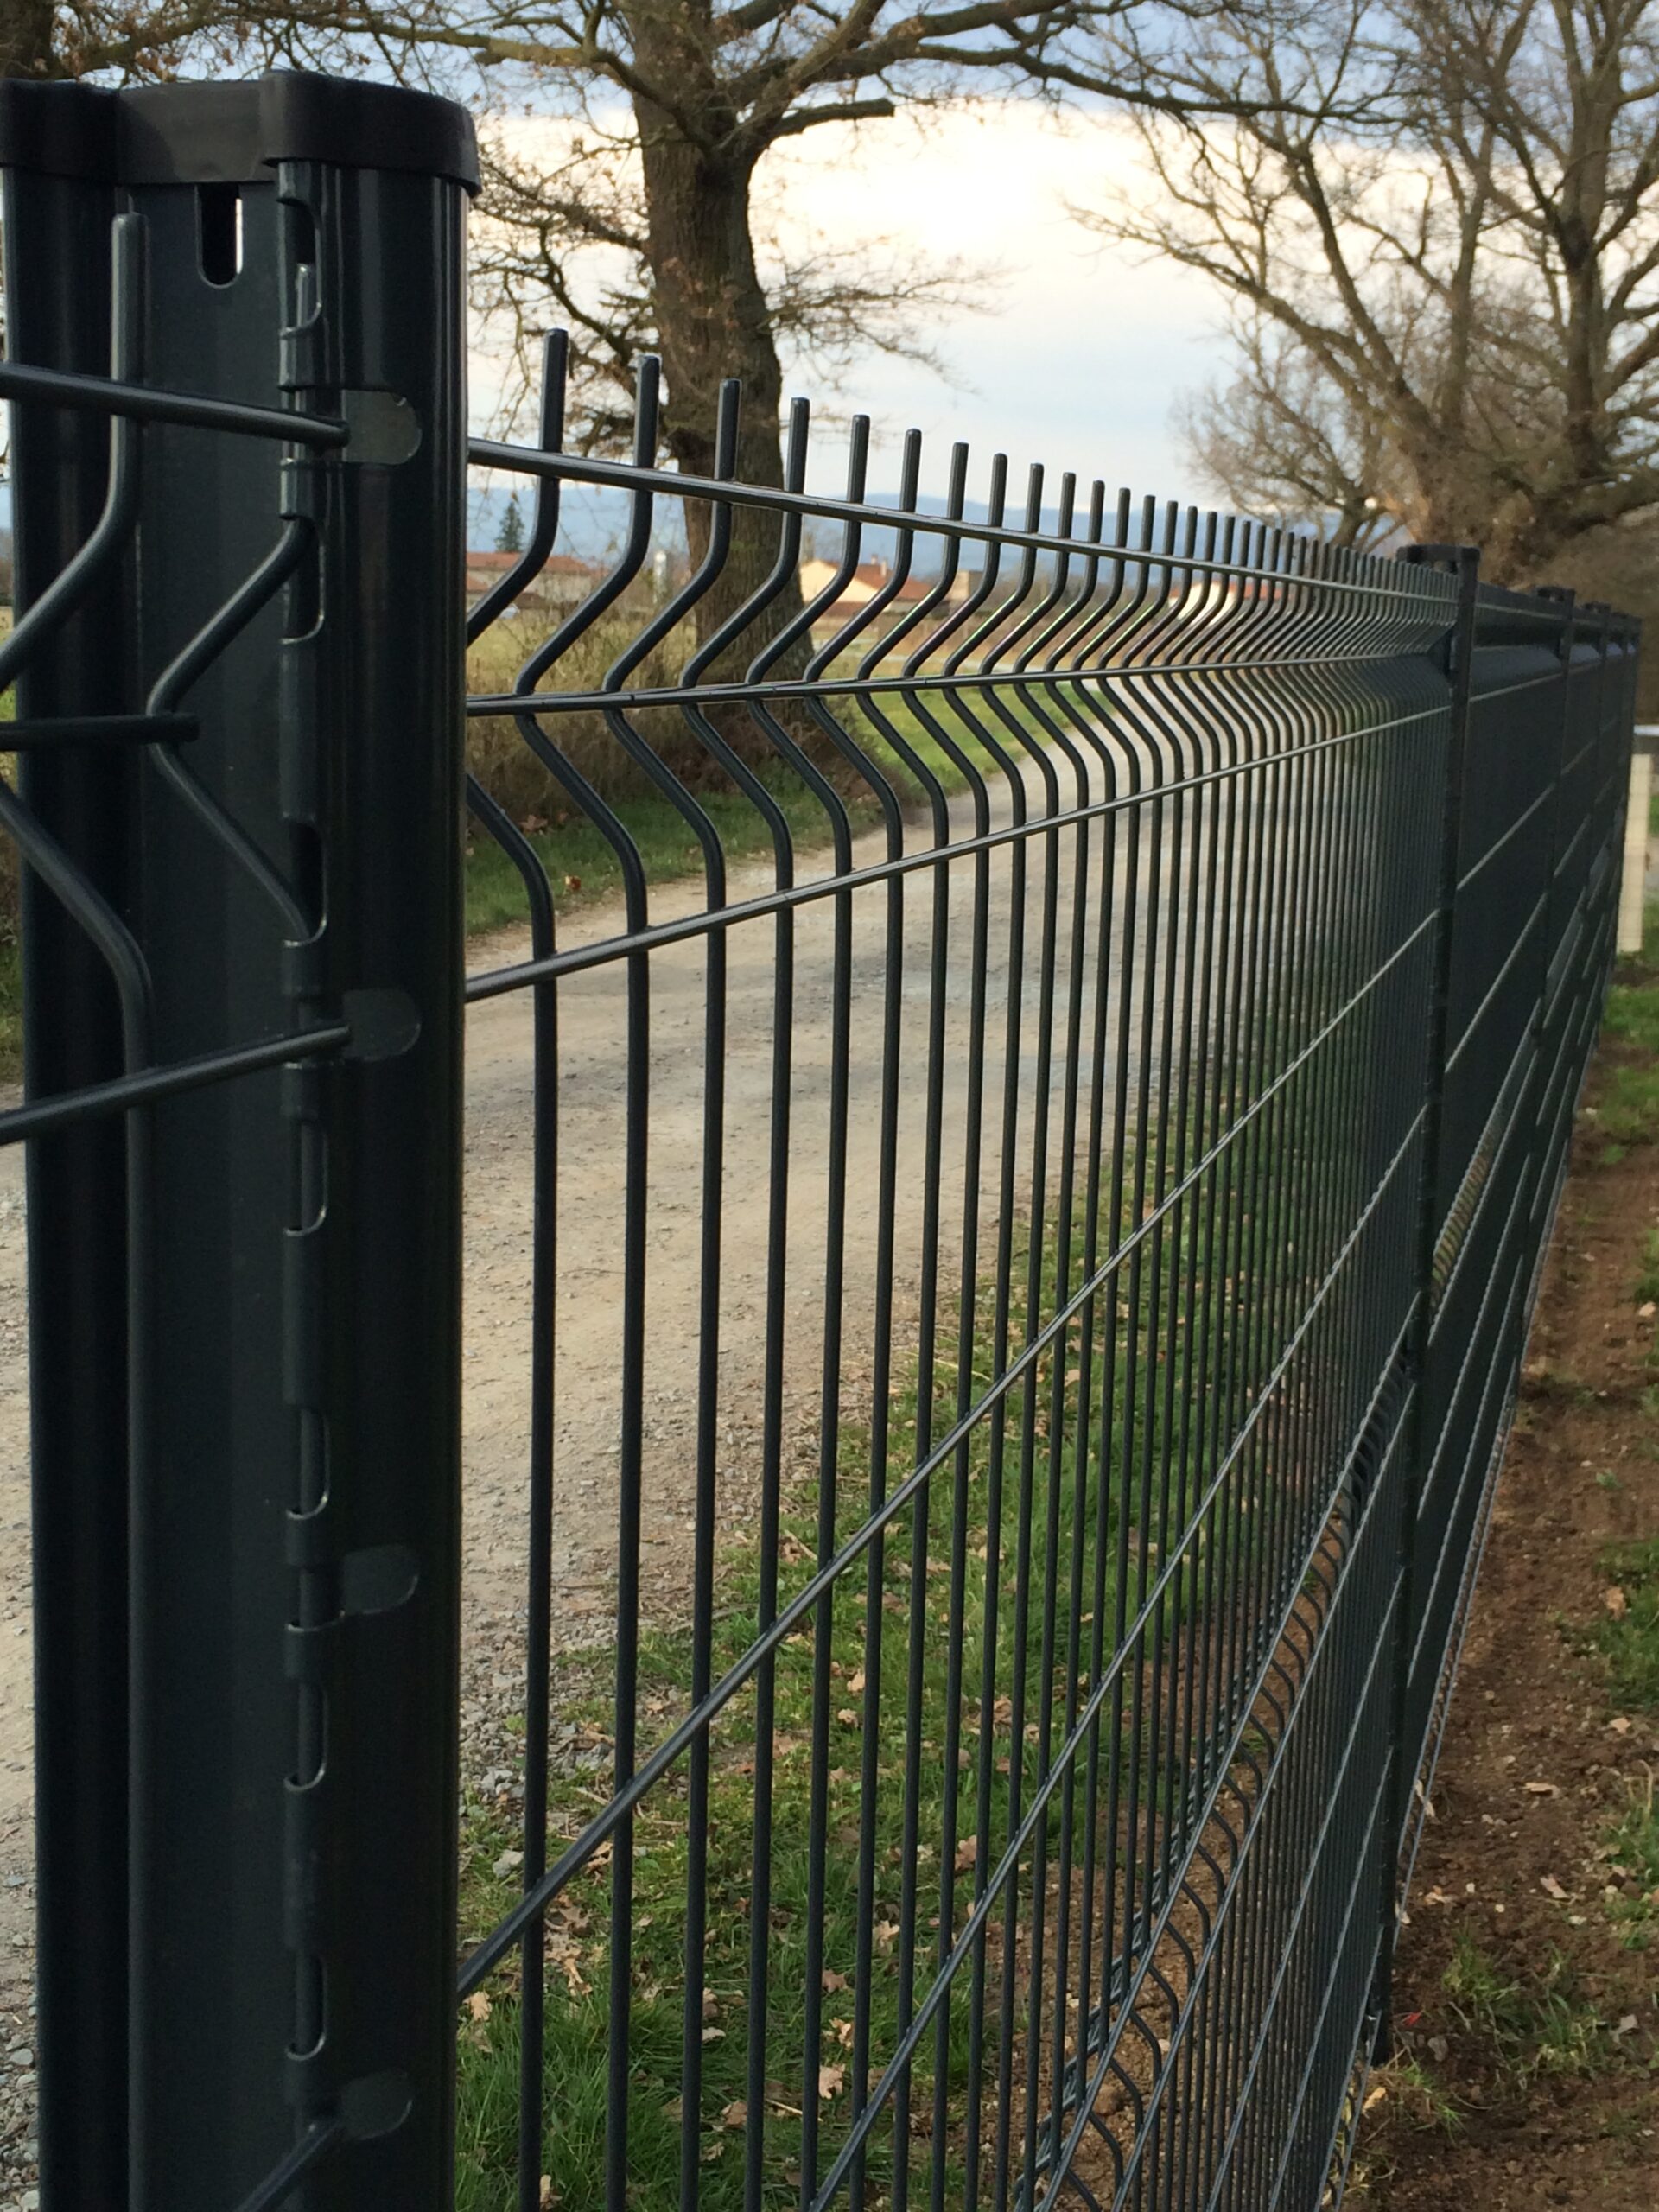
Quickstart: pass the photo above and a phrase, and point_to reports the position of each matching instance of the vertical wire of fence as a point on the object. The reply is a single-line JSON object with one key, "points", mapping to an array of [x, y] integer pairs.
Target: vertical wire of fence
{"points": [[1013, 1113]]}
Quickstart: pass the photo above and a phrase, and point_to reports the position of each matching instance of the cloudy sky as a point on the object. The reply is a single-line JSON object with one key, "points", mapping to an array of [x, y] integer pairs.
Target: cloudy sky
{"points": [[1082, 347]]}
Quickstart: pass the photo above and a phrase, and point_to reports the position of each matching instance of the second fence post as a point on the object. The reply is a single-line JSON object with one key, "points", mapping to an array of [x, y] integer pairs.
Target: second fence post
{"points": [[1464, 561]]}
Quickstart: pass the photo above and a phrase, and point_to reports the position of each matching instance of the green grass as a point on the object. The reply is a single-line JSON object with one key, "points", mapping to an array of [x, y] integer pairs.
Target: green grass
{"points": [[1630, 1643], [875, 1662], [1630, 1848], [1647, 1281], [1540, 2023], [1417, 2101], [581, 864], [1627, 1107]]}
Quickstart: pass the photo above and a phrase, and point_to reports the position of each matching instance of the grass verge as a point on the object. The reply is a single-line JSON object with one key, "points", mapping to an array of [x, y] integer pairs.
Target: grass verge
{"points": [[1529, 2046], [1534, 2023]]}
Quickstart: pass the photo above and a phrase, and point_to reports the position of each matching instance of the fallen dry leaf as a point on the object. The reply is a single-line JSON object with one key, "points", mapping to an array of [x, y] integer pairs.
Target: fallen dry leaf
{"points": [[831, 2078], [735, 2116], [1616, 1602], [1551, 1887], [548, 2195], [833, 1981], [479, 2003], [1646, 1310], [1542, 1789]]}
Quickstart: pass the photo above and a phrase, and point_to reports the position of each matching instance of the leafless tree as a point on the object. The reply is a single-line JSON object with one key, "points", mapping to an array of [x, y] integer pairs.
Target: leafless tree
{"points": [[1445, 210], [569, 240], [1279, 440], [678, 103], [671, 197], [48, 39]]}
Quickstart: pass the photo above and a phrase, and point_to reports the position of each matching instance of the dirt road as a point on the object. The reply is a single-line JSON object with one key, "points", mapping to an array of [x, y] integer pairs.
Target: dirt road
{"points": [[761, 1258]]}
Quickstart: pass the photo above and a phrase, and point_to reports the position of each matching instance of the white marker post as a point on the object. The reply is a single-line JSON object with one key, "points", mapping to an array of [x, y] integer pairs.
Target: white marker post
{"points": [[1633, 888]]}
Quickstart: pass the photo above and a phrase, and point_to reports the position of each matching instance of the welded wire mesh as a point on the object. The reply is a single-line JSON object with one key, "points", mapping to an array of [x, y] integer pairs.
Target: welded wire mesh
{"points": [[981, 1375]]}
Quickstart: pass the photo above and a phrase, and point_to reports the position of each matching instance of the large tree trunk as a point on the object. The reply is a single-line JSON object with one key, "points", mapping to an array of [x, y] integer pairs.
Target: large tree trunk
{"points": [[713, 321]]}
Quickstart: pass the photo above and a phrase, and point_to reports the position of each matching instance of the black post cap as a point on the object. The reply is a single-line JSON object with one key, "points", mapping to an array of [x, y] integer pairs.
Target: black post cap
{"points": [[231, 133]]}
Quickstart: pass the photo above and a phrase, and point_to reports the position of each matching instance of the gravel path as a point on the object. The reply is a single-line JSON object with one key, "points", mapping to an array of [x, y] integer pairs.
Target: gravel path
{"points": [[593, 1192]]}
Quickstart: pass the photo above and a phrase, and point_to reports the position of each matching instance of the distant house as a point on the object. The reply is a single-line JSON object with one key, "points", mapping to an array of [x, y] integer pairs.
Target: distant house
{"points": [[560, 581], [870, 579]]}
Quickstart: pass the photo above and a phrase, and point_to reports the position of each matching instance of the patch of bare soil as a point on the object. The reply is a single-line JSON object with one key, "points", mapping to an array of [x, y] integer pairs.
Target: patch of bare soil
{"points": [[1527, 2063]]}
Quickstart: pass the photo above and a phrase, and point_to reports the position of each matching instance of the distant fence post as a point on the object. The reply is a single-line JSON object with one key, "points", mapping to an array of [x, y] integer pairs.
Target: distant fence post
{"points": [[249, 1769], [1633, 885], [1457, 657]]}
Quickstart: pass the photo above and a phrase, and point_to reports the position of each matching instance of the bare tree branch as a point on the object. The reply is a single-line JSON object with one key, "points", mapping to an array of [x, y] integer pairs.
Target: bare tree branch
{"points": [[1453, 229]]}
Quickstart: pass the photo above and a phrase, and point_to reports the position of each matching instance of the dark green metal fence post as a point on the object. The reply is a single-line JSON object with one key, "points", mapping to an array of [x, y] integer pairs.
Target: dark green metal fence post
{"points": [[1548, 1158], [248, 1768], [1457, 660], [57, 214], [374, 708]]}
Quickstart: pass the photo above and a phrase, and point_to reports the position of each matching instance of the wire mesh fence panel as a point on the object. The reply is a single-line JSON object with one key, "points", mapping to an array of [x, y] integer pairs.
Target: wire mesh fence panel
{"points": [[987, 1183], [1013, 1106]]}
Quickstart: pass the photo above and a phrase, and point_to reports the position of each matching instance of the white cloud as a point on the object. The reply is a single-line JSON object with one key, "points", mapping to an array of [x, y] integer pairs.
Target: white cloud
{"points": [[1083, 346]]}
